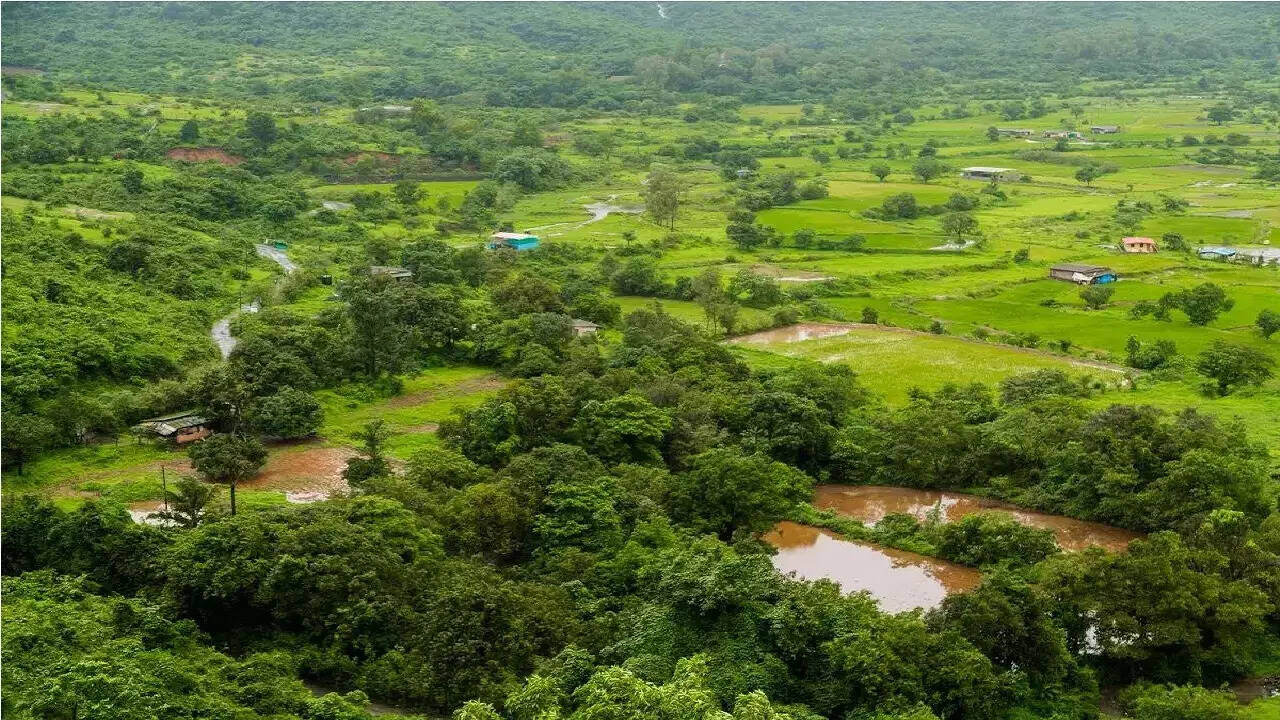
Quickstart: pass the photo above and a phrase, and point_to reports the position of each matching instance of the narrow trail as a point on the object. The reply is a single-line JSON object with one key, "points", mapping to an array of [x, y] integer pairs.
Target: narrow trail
{"points": [[598, 211], [221, 330]]}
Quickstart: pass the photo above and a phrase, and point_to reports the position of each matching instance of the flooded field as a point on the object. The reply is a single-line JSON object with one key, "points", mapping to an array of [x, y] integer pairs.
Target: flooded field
{"points": [[899, 580], [869, 503], [793, 333]]}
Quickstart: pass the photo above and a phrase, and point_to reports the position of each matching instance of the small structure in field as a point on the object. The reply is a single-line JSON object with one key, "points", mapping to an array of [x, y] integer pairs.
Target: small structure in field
{"points": [[990, 173], [1082, 274], [1138, 245], [515, 241], [1068, 134], [1216, 253], [398, 274], [181, 428], [1014, 132], [584, 327], [1104, 129]]}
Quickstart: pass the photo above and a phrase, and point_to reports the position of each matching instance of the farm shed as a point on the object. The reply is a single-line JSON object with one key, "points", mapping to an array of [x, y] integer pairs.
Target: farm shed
{"points": [[1104, 129], [1068, 134], [584, 327], [1216, 253], [1138, 245], [1082, 274], [180, 428], [990, 173], [515, 241], [1015, 132], [398, 274]]}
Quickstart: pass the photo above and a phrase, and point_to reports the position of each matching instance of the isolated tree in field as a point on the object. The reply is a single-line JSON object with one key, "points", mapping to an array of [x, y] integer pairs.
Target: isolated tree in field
{"points": [[1232, 365], [927, 168], [881, 171], [1174, 241], [1268, 323], [1096, 297], [261, 127], [993, 134], [24, 437], [1202, 304], [372, 462], [1088, 174], [188, 502], [131, 180], [958, 226], [190, 131], [1220, 113], [743, 231], [870, 315], [662, 196], [228, 459], [804, 238], [407, 193]]}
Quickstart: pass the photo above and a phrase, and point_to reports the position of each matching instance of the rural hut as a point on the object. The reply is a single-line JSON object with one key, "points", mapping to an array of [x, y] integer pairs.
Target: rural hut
{"points": [[1104, 129], [1216, 253], [1082, 274], [515, 241], [398, 274], [1014, 132], [990, 173], [181, 428], [584, 327], [1138, 245]]}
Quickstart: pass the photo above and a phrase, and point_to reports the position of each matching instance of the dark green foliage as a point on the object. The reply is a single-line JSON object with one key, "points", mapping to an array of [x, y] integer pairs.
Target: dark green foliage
{"points": [[1231, 365]]}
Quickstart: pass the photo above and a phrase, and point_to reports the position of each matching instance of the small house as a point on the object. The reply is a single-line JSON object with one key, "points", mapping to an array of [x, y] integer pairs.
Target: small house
{"points": [[515, 241], [990, 173], [1216, 253], [1104, 129], [1082, 274], [181, 428], [1138, 245], [1014, 132], [584, 327], [398, 274], [1059, 134]]}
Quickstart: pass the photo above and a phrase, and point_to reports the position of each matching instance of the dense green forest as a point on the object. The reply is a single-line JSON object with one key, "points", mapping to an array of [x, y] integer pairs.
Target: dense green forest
{"points": [[450, 479]]}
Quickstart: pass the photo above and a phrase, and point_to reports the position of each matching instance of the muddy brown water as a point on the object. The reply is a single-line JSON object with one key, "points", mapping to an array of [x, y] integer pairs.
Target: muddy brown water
{"points": [[794, 333], [898, 579], [870, 503]]}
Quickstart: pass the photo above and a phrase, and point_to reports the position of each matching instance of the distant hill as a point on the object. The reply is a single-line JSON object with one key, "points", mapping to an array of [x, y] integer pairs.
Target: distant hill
{"points": [[562, 54]]}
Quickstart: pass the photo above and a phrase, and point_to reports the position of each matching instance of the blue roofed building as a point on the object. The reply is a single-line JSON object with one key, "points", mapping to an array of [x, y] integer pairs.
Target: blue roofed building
{"points": [[1216, 253], [515, 241]]}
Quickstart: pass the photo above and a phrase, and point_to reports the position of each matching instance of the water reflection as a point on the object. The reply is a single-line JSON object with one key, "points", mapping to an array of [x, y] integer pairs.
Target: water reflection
{"points": [[899, 580], [870, 503]]}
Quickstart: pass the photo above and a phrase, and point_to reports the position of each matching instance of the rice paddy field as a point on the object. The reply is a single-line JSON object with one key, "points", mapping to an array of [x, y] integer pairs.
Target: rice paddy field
{"points": [[909, 273]]}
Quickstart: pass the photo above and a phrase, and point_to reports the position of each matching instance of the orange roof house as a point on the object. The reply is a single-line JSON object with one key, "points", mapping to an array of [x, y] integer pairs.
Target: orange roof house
{"points": [[1138, 245]]}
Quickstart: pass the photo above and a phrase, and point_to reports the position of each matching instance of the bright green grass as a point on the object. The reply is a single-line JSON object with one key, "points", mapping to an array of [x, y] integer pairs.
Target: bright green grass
{"points": [[891, 362], [428, 398]]}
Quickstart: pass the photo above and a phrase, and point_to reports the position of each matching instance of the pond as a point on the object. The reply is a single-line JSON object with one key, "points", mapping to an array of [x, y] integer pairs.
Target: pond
{"points": [[899, 580], [869, 503], [793, 333]]}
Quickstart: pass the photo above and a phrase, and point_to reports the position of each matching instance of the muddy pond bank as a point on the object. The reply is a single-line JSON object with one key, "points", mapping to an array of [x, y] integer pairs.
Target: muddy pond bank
{"points": [[898, 579], [869, 503]]}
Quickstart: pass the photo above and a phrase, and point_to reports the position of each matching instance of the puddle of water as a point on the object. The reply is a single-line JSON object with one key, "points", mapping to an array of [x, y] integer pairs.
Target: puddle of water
{"points": [[899, 580], [869, 503], [793, 333]]}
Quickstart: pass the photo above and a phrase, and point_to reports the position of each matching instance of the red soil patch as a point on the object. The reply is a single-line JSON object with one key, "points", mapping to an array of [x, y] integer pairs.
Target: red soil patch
{"points": [[204, 154], [313, 470]]}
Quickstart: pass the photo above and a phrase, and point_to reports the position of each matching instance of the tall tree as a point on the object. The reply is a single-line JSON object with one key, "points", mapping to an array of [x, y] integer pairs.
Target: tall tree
{"points": [[228, 459], [662, 190]]}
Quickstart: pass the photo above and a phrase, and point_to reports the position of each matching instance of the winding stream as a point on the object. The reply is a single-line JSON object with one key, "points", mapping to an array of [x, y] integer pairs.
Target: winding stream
{"points": [[221, 330]]}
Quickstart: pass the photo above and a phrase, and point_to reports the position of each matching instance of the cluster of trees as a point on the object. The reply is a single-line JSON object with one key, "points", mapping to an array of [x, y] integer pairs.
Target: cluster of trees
{"points": [[585, 540]]}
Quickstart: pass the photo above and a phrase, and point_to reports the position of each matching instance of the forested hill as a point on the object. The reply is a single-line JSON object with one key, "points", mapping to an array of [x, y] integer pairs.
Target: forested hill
{"points": [[615, 55]]}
